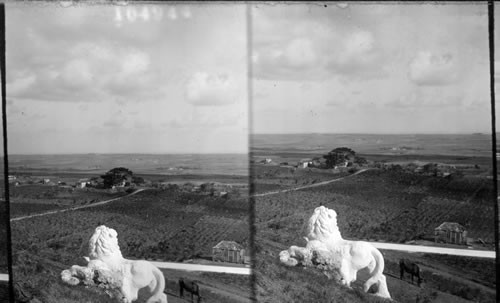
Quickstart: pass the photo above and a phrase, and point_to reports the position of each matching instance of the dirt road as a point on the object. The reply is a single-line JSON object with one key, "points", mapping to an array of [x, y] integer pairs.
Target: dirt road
{"points": [[74, 208], [310, 185]]}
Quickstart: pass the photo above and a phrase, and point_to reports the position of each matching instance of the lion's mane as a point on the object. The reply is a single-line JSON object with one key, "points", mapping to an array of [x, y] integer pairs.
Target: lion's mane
{"points": [[104, 243], [322, 225]]}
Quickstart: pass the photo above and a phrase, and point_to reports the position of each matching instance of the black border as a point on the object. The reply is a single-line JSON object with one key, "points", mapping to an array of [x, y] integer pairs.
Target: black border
{"points": [[251, 173], [491, 38], [491, 31], [5, 151]]}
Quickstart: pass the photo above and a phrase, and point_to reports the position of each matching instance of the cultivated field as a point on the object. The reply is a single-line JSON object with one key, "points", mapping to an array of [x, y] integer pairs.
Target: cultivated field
{"points": [[161, 223], [380, 204]]}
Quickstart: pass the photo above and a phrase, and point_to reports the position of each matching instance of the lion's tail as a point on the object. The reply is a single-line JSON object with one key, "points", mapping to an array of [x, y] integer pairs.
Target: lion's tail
{"points": [[158, 292], [378, 275]]}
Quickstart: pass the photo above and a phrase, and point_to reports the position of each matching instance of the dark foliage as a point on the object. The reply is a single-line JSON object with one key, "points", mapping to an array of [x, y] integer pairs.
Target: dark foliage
{"points": [[115, 176], [339, 156]]}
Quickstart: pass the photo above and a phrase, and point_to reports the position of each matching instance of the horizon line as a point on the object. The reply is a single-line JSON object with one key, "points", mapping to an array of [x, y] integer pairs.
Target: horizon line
{"points": [[124, 153]]}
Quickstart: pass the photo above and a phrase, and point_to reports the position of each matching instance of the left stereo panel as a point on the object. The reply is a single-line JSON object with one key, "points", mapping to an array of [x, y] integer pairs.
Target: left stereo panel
{"points": [[128, 151]]}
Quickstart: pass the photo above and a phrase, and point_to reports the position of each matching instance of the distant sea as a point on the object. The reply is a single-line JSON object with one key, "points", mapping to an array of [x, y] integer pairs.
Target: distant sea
{"points": [[463, 145], [168, 164]]}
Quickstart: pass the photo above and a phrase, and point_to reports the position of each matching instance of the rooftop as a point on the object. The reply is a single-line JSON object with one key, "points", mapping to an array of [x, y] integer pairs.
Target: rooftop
{"points": [[231, 245], [452, 226]]}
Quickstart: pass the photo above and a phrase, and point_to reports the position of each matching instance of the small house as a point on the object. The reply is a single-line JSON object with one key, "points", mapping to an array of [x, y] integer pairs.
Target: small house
{"points": [[82, 183], [317, 162], [450, 232], [228, 251], [46, 181], [11, 177], [305, 163], [122, 184]]}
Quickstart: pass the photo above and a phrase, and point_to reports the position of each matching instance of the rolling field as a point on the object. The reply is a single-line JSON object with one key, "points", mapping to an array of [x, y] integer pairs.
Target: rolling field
{"points": [[36, 198], [380, 205], [155, 224], [274, 177], [377, 205]]}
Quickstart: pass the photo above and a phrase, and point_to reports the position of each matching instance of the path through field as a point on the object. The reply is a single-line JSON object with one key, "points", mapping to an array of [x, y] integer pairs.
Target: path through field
{"points": [[74, 208], [310, 185], [392, 246]]}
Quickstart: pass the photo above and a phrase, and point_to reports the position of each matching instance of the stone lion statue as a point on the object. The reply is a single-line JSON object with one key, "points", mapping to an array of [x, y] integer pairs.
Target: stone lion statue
{"points": [[107, 265], [338, 258]]}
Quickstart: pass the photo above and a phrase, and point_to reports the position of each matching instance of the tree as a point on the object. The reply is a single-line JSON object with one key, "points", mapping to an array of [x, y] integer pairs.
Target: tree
{"points": [[338, 156], [116, 176], [360, 160], [138, 180]]}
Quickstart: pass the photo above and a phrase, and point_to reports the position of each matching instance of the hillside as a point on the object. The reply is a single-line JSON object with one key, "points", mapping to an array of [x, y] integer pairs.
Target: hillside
{"points": [[166, 224], [376, 205]]}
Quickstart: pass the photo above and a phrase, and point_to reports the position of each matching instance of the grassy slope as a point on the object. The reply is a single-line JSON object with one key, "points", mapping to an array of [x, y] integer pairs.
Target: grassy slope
{"points": [[31, 199], [374, 205], [378, 205], [154, 224]]}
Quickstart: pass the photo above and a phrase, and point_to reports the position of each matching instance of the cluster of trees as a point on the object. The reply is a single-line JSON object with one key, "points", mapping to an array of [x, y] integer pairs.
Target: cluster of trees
{"points": [[341, 156], [120, 175]]}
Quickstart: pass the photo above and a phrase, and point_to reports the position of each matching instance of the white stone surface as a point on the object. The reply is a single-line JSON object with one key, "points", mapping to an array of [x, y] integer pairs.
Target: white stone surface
{"points": [[339, 259], [107, 266]]}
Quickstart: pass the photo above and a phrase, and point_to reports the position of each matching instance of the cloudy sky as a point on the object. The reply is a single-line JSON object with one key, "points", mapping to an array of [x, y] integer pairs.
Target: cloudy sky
{"points": [[370, 68], [150, 78]]}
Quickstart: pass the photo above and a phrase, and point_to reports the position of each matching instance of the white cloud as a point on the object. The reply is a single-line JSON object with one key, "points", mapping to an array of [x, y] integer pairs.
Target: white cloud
{"points": [[433, 69], [134, 63], [172, 13], [186, 12], [300, 53], [142, 67], [21, 84], [313, 50], [358, 43], [355, 55], [76, 73], [208, 89], [96, 70], [431, 98]]}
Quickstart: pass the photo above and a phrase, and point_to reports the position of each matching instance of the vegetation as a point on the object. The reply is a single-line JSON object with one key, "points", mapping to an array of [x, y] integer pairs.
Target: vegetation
{"points": [[116, 176], [170, 225], [37, 198], [391, 204], [277, 284], [339, 156], [271, 178]]}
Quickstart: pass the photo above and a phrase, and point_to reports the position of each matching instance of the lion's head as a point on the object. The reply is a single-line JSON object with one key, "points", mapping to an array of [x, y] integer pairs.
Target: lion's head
{"points": [[322, 225], [104, 244]]}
